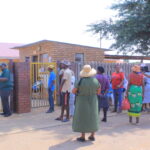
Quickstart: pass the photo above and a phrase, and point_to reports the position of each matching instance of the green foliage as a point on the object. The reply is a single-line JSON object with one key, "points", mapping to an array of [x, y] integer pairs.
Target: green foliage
{"points": [[130, 28]]}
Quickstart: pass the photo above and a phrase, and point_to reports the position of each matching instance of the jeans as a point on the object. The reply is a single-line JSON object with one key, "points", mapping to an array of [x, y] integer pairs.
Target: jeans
{"points": [[118, 98], [51, 99], [5, 101], [71, 104]]}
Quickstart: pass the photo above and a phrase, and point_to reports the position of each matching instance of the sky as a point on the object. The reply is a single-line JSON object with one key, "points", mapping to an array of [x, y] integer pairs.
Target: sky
{"points": [[27, 21]]}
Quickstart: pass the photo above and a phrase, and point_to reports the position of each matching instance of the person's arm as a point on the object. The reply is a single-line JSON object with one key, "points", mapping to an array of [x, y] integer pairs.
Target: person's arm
{"points": [[146, 75], [129, 83], [122, 80], [53, 76], [99, 91], [107, 86], [65, 77], [3, 79], [143, 85]]}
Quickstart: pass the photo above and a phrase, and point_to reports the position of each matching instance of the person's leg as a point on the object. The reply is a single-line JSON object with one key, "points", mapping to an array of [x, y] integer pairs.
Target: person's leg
{"points": [[92, 136], [5, 101], [71, 104], [3, 105], [137, 120], [130, 119], [51, 101], [120, 92], [115, 94], [67, 109], [82, 138], [105, 114], [62, 108]]}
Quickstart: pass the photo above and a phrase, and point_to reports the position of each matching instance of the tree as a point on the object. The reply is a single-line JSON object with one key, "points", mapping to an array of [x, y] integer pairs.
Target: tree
{"points": [[130, 28]]}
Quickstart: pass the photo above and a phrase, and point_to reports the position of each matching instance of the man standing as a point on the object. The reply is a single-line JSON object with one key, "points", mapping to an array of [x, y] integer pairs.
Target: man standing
{"points": [[6, 86], [65, 89], [60, 73], [51, 88]]}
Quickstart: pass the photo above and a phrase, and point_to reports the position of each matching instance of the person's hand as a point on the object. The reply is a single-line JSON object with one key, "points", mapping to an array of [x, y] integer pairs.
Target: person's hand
{"points": [[118, 86], [60, 89]]}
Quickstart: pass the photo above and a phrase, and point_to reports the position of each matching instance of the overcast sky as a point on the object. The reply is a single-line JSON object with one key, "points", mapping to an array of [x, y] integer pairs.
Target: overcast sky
{"points": [[27, 21]]}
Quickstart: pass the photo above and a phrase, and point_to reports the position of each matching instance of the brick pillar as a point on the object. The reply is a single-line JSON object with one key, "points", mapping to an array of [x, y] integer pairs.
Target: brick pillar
{"points": [[22, 87]]}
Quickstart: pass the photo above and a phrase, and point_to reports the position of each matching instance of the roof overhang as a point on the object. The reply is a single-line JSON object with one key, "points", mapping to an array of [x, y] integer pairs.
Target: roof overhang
{"points": [[127, 57]]}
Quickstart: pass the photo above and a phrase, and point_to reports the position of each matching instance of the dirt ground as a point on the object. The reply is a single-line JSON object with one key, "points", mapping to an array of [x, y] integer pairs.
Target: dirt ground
{"points": [[39, 131]]}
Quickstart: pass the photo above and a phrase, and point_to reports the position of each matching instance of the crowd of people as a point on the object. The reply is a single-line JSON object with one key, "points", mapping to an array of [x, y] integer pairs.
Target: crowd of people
{"points": [[95, 90], [82, 100]]}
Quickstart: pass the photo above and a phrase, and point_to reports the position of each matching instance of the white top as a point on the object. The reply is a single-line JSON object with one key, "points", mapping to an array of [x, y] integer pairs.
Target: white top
{"points": [[72, 82], [67, 76], [125, 83]]}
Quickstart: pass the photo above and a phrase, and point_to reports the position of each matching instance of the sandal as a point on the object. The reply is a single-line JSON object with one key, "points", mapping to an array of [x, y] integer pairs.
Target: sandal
{"points": [[81, 139], [91, 138]]}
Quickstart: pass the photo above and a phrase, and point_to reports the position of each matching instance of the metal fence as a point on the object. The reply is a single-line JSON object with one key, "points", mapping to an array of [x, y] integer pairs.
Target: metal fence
{"points": [[109, 67], [38, 84]]}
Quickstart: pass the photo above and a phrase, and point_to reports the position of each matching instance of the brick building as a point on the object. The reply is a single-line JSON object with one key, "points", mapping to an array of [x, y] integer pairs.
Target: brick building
{"points": [[48, 51]]}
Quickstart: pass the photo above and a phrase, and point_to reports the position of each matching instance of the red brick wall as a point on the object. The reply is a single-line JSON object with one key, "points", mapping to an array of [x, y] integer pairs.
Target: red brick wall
{"points": [[22, 87], [60, 51]]}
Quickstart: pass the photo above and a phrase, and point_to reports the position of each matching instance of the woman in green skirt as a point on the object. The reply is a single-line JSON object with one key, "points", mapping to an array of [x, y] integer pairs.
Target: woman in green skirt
{"points": [[135, 93], [86, 116]]}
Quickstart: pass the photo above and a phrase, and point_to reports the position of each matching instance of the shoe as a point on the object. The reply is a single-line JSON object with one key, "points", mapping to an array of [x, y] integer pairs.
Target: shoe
{"points": [[2, 113], [104, 120], [65, 120], [91, 138], [81, 139], [58, 119], [119, 111], [114, 111], [7, 115], [50, 111]]}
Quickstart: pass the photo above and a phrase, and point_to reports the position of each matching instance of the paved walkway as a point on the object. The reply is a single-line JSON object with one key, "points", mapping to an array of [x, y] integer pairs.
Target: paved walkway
{"points": [[39, 131]]}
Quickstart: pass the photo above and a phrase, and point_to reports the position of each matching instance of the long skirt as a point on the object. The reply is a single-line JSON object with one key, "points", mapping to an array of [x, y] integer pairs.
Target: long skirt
{"points": [[135, 99], [86, 116]]}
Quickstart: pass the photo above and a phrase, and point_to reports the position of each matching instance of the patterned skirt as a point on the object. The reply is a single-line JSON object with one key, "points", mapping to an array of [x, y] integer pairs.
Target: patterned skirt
{"points": [[135, 99]]}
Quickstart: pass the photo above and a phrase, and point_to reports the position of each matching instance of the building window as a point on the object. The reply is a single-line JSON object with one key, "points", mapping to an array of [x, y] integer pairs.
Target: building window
{"points": [[34, 58], [27, 59], [44, 58], [79, 57]]}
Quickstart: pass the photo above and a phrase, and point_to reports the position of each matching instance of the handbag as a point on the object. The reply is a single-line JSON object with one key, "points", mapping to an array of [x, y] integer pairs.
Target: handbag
{"points": [[125, 104]]}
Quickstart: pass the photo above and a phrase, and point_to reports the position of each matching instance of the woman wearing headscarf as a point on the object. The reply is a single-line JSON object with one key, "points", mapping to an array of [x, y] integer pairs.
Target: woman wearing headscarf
{"points": [[135, 92], [86, 116], [103, 98]]}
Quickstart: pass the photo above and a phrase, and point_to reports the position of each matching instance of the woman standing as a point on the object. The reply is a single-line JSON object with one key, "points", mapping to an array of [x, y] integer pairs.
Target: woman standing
{"points": [[135, 92], [103, 98], [117, 85], [86, 116], [146, 100]]}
